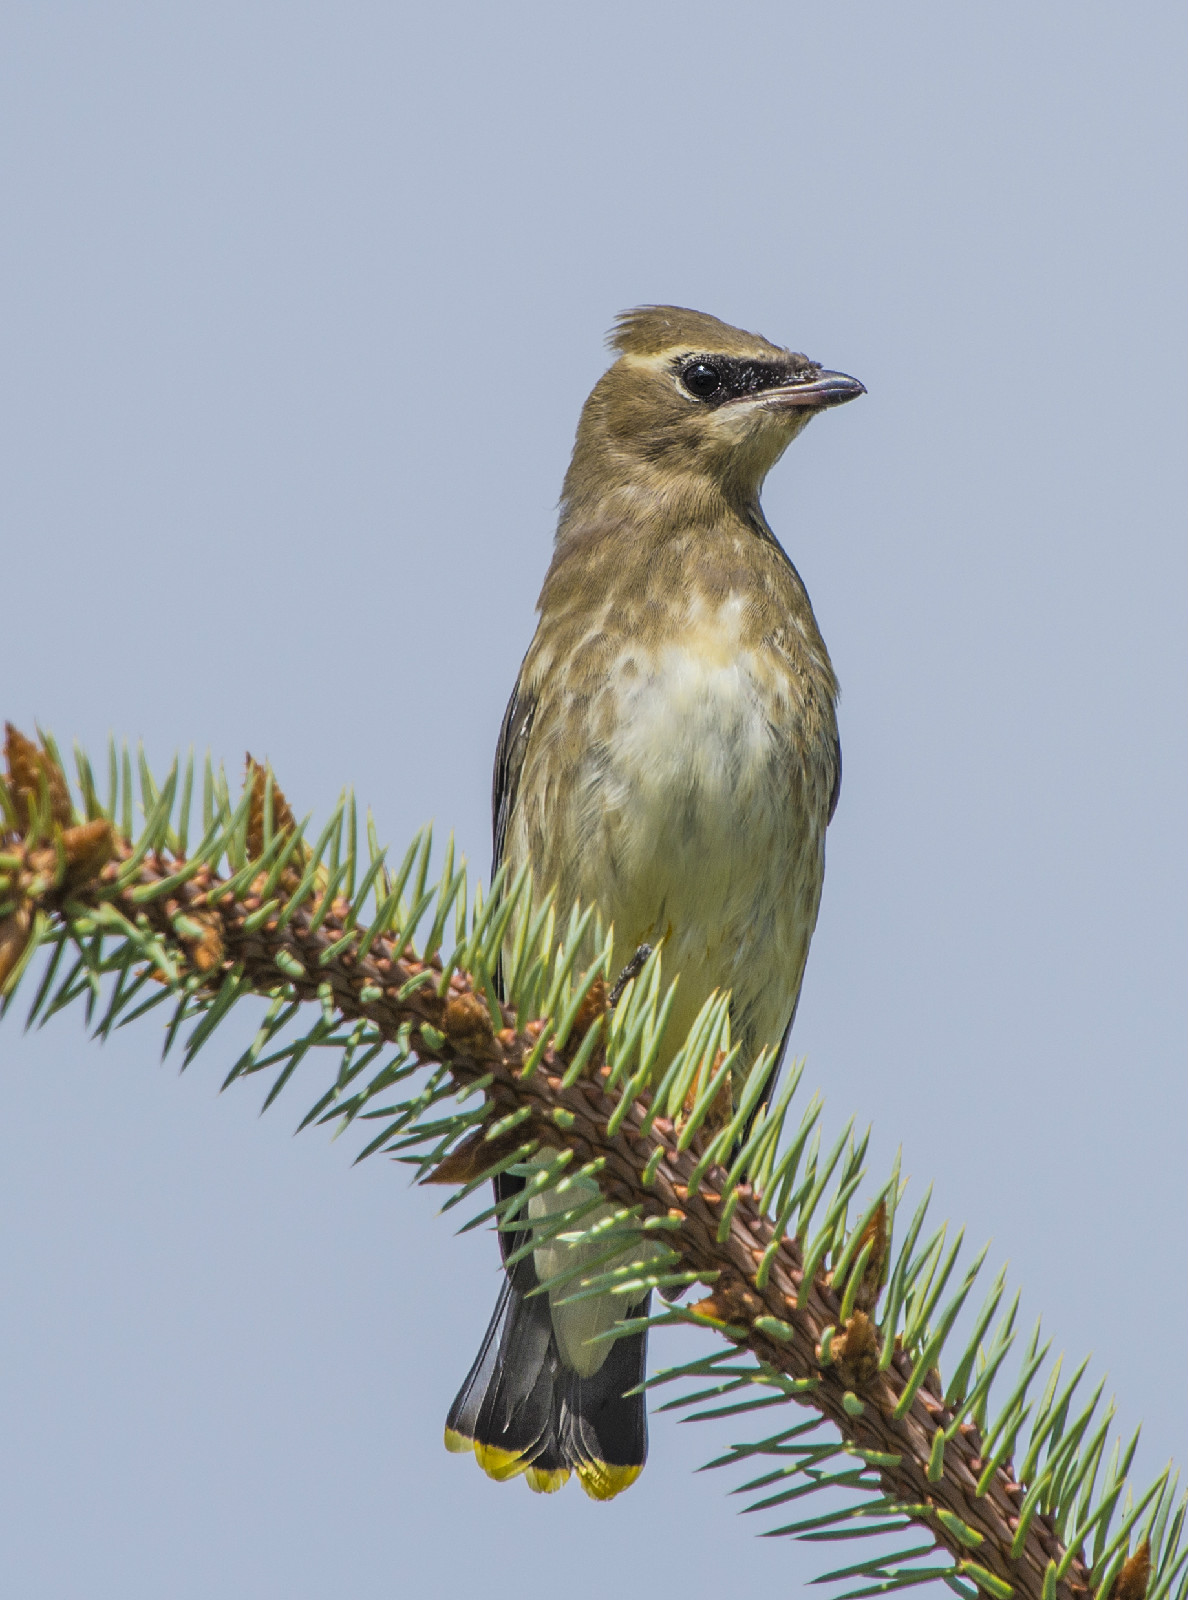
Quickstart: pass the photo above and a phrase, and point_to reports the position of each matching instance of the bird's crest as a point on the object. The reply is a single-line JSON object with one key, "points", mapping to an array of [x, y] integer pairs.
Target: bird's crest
{"points": [[649, 330]]}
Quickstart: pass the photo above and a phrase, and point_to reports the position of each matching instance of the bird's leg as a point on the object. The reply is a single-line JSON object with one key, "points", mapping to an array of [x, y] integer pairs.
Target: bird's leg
{"points": [[632, 970]]}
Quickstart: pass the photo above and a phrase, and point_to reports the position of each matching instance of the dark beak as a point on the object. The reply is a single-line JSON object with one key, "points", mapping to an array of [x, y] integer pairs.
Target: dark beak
{"points": [[827, 389]]}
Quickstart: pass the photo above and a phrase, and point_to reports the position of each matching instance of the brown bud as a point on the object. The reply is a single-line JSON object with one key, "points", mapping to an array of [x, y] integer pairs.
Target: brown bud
{"points": [[466, 1023], [591, 1008], [855, 1351], [28, 768], [711, 1306], [474, 1156], [88, 849], [1134, 1575], [875, 1273], [731, 1301], [14, 938], [206, 951], [283, 822], [722, 1109]]}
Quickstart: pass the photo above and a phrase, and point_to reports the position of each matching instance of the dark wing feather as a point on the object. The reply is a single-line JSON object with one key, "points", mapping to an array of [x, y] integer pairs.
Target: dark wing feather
{"points": [[764, 1099], [509, 763], [519, 1404], [835, 792], [505, 783]]}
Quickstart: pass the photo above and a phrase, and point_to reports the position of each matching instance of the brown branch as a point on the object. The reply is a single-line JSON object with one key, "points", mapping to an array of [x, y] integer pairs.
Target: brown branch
{"points": [[78, 869]]}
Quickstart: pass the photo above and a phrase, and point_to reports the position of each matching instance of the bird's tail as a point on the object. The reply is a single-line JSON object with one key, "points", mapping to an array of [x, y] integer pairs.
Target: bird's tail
{"points": [[522, 1410]]}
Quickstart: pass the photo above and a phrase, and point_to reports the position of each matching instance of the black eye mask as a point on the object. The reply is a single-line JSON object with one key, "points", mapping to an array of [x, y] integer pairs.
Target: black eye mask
{"points": [[713, 380]]}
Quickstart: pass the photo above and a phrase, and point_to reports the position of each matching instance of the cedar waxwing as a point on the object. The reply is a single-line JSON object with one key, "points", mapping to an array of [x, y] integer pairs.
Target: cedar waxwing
{"points": [[669, 755]]}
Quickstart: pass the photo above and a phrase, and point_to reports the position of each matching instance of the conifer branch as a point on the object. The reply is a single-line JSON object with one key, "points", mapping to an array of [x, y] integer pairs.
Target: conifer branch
{"points": [[830, 1317]]}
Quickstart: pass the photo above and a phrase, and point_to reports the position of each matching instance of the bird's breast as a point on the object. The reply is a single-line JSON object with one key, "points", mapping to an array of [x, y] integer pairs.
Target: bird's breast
{"points": [[685, 792], [686, 741]]}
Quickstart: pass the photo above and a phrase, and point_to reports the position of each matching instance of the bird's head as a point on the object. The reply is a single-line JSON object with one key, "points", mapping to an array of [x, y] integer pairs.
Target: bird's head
{"points": [[692, 407]]}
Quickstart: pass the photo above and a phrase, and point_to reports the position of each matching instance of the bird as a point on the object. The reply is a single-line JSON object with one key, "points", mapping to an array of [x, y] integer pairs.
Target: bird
{"points": [[670, 755]]}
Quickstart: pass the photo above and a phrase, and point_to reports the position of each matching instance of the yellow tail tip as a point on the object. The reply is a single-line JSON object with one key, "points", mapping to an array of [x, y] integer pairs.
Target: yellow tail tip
{"points": [[541, 1481], [498, 1464], [601, 1481]]}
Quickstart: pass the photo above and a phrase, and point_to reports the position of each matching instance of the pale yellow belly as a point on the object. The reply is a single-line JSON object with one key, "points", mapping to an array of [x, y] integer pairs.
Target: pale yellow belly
{"points": [[690, 813]]}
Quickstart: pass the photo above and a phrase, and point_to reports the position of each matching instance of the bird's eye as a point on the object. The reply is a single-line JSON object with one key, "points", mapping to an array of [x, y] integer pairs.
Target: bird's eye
{"points": [[701, 379]]}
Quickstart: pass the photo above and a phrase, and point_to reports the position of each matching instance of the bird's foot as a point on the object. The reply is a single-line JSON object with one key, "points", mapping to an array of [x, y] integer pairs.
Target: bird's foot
{"points": [[632, 970]]}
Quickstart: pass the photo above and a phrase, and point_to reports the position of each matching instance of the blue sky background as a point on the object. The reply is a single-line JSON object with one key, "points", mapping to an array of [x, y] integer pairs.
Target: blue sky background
{"points": [[300, 305]]}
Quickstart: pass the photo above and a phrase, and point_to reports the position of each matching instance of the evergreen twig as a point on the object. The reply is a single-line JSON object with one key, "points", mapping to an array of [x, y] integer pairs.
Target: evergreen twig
{"points": [[702, 1187]]}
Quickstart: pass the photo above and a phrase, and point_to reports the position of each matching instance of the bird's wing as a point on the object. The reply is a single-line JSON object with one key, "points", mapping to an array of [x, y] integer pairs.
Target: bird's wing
{"points": [[509, 763], [835, 792]]}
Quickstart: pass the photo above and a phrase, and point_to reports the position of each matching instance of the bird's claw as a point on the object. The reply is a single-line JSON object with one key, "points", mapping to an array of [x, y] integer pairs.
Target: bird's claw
{"points": [[632, 970]]}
